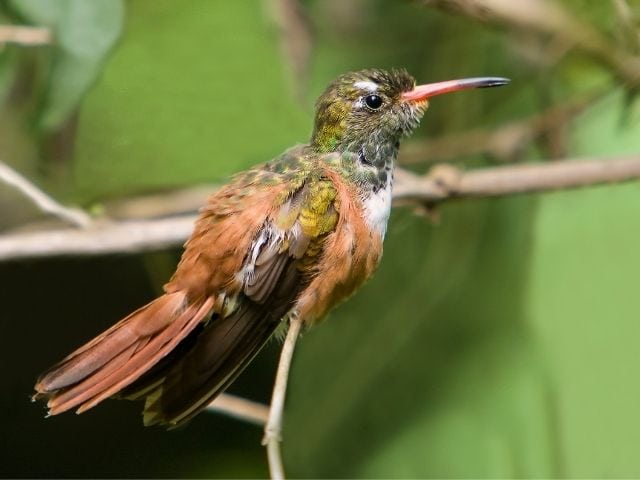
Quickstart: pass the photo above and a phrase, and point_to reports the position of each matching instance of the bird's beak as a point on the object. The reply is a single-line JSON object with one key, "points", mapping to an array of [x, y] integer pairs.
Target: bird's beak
{"points": [[421, 93]]}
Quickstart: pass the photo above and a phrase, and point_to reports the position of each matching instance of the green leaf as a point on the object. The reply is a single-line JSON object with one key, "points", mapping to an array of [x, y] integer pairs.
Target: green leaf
{"points": [[190, 95], [85, 32], [584, 302]]}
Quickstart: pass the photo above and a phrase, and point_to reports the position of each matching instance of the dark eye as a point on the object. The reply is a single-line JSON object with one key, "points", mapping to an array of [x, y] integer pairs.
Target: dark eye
{"points": [[373, 101]]}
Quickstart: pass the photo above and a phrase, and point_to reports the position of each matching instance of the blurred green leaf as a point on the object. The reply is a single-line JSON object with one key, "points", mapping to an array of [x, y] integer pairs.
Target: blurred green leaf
{"points": [[584, 302], [600, 131], [84, 32], [192, 94]]}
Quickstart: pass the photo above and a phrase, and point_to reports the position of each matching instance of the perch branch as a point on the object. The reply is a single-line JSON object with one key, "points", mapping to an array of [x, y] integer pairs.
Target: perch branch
{"points": [[43, 201], [444, 182], [240, 408], [273, 429], [25, 36]]}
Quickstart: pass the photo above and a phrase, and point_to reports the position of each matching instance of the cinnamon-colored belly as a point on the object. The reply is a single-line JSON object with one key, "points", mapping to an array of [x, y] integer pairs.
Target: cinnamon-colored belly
{"points": [[350, 255]]}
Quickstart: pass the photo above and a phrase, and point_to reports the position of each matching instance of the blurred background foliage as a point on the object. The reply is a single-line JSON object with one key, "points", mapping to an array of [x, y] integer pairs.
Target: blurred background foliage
{"points": [[499, 341]]}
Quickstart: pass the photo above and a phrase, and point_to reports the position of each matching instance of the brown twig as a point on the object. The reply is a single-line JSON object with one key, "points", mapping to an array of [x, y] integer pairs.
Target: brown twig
{"points": [[445, 182], [103, 238], [159, 204], [442, 183], [547, 18], [240, 408], [504, 143], [629, 32], [43, 201], [25, 36], [296, 40]]}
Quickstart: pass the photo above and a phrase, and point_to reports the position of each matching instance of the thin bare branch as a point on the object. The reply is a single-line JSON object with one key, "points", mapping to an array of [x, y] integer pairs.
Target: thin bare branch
{"points": [[629, 31], [43, 201], [159, 204], [240, 408], [296, 39], [273, 429], [504, 143], [549, 18], [444, 182], [25, 36], [103, 238]]}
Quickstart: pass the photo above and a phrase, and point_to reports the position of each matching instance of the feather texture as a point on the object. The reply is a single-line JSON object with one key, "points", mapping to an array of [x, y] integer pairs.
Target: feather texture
{"points": [[258, 246], [296, 235], [120, 355]]}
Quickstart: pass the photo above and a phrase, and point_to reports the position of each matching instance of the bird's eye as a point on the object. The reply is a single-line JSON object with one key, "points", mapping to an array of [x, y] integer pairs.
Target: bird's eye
{"points": [[373, 101]]}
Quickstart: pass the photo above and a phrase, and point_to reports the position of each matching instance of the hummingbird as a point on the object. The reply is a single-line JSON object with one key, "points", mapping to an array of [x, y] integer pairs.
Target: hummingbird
{"points": [[294, 236]]}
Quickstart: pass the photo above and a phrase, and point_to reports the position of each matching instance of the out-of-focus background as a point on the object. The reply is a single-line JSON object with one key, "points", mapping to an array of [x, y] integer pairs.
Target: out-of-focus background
{"points": [[499, 337]]}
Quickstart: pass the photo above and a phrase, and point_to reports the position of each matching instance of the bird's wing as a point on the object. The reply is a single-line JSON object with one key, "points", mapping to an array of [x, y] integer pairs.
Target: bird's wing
{"points": [[214, 280], [274, 269]]}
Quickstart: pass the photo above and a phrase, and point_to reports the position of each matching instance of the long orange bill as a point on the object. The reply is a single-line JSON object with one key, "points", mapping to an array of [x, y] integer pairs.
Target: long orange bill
{"points": [[423, 92]]}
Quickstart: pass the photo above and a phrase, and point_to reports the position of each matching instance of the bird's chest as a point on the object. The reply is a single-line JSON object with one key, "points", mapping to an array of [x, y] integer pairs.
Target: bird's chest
{"points": [[377, 207], [351, 253]]}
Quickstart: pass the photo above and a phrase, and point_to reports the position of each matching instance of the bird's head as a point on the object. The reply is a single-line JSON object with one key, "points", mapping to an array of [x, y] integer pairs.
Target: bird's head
{"points": [[377, 106]]}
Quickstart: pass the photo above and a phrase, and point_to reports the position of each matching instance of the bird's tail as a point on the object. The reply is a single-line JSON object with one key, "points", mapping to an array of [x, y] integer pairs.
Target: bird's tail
{"points": [[123, 353]]}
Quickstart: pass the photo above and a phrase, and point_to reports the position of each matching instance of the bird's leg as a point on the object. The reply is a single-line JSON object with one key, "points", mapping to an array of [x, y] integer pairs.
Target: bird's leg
{"points": [[273, 429]]}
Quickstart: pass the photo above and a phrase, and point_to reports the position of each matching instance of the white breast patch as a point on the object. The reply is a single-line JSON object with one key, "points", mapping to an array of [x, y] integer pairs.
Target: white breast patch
{"points": [[377, 207]]}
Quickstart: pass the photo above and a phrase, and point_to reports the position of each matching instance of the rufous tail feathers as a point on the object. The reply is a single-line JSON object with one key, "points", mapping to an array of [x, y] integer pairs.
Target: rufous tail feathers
{"points": [[123, 353]]}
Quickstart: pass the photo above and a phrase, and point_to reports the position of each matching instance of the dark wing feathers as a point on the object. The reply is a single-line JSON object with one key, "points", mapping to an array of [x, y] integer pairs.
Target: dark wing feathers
{"points": [[222, 351], [226, 345], [266, 272], [96, 372], [168, 351]]}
